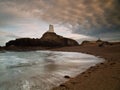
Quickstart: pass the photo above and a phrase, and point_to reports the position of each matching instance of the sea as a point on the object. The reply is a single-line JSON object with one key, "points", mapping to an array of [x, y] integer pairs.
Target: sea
{"points": [[41, 70]]}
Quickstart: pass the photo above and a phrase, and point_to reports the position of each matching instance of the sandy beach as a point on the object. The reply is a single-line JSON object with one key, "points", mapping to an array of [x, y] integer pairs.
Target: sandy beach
{"points": [[89, 27], [104, 76]]}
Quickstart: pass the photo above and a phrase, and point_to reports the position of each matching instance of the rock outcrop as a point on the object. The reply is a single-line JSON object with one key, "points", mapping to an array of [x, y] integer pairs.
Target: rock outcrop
{"points": [[99, 43], [49, 39], [52, 39]]}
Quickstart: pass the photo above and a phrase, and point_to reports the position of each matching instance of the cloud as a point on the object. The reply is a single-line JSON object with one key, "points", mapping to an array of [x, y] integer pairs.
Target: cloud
{"points": [[87, 17], [5, 36]]}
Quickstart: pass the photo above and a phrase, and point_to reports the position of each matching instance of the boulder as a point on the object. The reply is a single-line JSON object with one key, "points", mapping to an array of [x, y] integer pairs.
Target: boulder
{"points": [[67, 77]]}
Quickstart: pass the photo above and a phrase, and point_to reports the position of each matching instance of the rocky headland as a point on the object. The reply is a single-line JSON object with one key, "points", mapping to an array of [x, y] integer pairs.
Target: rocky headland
{"points": [[49, 39], [104, 76]]}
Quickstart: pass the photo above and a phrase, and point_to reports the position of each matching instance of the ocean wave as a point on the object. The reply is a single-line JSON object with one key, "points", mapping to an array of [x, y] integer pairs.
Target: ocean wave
{"points": [[22, 65]]}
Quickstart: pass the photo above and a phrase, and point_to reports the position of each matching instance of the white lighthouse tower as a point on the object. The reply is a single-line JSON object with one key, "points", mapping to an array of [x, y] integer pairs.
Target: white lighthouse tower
{"points": [[51, 28]]}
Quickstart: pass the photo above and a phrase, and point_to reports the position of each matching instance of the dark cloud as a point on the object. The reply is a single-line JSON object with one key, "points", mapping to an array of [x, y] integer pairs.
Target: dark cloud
{"points": [[89, 17]]}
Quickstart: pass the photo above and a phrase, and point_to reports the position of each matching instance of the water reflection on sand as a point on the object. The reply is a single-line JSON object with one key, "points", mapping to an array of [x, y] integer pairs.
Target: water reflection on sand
{"points": [[41, 70]]}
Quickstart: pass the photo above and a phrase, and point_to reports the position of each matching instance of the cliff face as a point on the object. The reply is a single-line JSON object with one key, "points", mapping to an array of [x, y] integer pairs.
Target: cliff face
{"points": [[52, 39], [49, 39]]}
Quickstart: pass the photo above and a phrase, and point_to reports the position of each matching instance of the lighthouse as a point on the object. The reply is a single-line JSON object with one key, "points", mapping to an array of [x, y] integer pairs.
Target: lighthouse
{"points": [[51, 28]]}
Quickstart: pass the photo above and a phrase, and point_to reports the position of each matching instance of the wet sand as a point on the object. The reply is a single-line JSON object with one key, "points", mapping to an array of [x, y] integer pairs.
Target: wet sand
{"points": [[104, 76]]}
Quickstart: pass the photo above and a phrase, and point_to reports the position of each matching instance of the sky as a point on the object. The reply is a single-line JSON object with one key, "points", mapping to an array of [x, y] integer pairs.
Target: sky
{"points": [[77, 19]]}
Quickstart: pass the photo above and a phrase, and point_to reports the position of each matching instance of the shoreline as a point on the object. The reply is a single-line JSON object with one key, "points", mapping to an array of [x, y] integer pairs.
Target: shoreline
{"points": [[103, 76]]}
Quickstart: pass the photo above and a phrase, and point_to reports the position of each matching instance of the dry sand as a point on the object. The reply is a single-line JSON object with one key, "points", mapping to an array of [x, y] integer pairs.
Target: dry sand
{"points": [[104, 76]]}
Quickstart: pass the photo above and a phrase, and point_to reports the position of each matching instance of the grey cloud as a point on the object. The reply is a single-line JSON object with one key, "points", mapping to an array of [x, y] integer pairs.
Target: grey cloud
{"points": [[89, 17], [5, 18], [5, 37]]}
